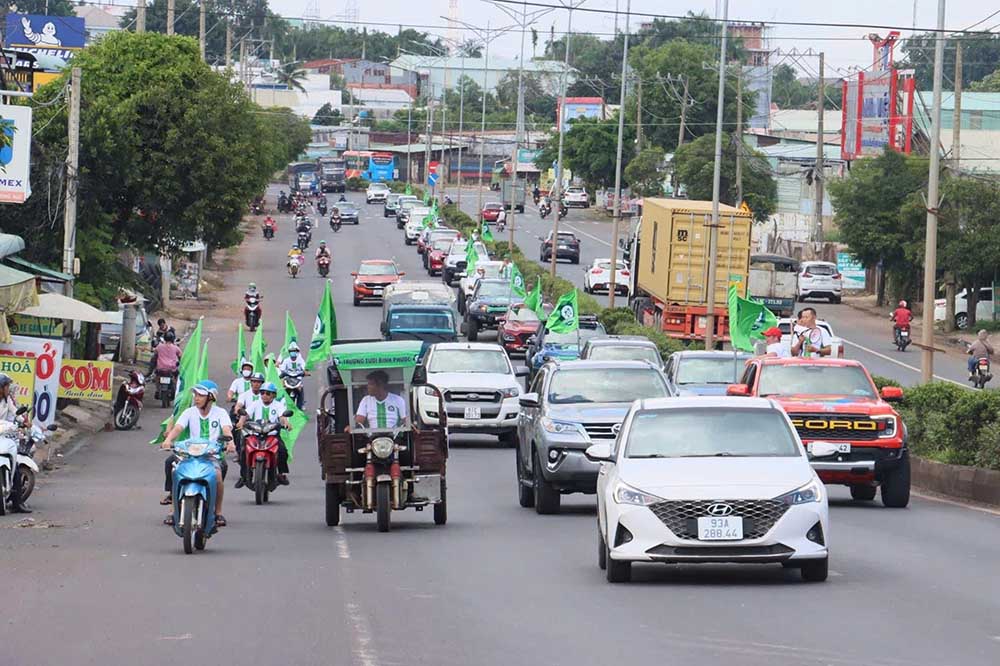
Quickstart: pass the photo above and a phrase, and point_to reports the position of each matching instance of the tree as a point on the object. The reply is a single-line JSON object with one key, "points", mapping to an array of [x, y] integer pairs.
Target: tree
{"points": [[989, 84], [694, 163], [327, 116], [787, 91], [645, 172], [537, 100], [598, 61], [980, 55], [589, 151], [291, 75]]}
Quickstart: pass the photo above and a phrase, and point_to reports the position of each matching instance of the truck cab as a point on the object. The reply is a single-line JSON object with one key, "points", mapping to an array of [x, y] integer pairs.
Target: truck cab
{"points": [[419, 311]]}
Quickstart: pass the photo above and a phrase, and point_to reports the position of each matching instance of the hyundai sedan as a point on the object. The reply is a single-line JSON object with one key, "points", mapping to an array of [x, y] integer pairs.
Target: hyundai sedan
{"points": [[706, 480]]}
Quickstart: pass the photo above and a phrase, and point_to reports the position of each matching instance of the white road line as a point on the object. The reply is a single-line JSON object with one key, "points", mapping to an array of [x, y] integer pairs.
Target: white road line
{"points": [[362, 636], [343, 552], [900, 363]]}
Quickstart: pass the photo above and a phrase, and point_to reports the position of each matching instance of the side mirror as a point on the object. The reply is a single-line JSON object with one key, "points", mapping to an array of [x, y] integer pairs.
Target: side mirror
{"points": [[288, 413], [419, 375], [354, 274], [892, 393], [738, 389], [22, 409], [529, 400], [599, 453], [532, 339], [402, 273], [383, 328], [521, 371], [821, 449]]}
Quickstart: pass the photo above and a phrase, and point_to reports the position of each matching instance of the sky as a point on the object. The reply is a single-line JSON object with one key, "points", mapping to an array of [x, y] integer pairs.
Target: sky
{"points": [[844, 47]]}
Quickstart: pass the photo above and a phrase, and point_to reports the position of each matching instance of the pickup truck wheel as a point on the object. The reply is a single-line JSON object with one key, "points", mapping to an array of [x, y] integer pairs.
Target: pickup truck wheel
{"points": [[896, 486], [815, 571], [508, 439], [472, 330], [863, 493], [547, 498]]}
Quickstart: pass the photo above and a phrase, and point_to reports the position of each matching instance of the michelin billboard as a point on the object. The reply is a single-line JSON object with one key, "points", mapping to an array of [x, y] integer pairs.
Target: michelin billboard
{"points": [[52, 37]]}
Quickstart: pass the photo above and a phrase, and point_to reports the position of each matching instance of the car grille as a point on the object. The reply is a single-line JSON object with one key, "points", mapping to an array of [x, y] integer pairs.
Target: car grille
{"points": [[373, 285], [601, 430], [820, 429], [464, 395], [681, 517]]}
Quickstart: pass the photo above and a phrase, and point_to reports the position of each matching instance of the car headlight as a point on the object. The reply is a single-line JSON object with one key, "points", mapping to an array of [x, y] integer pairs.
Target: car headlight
{"points": [[510, 392], [382, 447], [508, 338], [481, 308], [887, 426], [811, 492], [627, 495], [431, 391], [560, 427]]}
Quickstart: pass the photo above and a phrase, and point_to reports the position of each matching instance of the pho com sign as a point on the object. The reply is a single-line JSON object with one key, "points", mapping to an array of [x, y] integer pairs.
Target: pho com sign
{"points": [[15, 153]]}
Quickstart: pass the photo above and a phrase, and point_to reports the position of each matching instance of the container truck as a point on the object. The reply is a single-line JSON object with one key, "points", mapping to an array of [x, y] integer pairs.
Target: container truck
{"points": [[332, 174]]}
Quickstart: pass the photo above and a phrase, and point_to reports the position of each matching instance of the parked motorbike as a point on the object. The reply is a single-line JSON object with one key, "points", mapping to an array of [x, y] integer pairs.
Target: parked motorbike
{"points": [[323, 266], [194, 492], [292, 381], [901, 335], [128, 402], [261, 441], [166, 387], [335, 223], [251, 312], [8, 459], [294, 265], [981, 373]]}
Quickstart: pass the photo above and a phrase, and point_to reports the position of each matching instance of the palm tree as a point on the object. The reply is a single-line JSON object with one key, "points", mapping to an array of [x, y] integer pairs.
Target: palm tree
{"points": [[291, 75]]}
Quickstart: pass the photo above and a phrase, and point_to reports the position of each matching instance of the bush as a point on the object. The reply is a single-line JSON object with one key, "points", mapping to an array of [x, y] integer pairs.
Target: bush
{"points": [[356, 184], [988, 447]]}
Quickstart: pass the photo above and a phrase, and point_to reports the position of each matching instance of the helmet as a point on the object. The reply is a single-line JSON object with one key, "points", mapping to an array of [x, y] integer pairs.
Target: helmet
{"points": [[322, 243], [169, 336], [252, 286], [256, 377], [5, 380], [902, 304], [207, 387], [269, 388], [245, 363], [293, 346]]}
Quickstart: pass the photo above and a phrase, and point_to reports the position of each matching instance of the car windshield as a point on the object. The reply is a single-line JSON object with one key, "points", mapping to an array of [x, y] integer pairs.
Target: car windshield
{"points": [[408, 203], [606, 265], [421, 321], [377, 269], [457, 247], [493, 289], [572, 337], [347, 208], [703, 432], [719, 370], [485, 361], [392, 198], [489, 270], [442, 244], [821, 269], [809, 379], [624, 353], [602, 385], [522, 313], [378, 186], [420, 212], [574, 190]]}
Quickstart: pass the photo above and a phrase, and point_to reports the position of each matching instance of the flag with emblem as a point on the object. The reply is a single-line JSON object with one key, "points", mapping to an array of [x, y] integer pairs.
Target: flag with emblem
{"points": [[517, 282], [291, 335], [565, 317], [324, 330], [747, 320], [485, 232], [534, 299], [298, 420], [241, 350], [187, 376], [427, 198], [428, 220]]}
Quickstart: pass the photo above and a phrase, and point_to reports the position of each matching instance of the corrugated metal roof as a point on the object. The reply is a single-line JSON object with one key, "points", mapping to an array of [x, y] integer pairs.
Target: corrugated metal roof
{"points": [[690, 205], [971, 101], [381, 95]]}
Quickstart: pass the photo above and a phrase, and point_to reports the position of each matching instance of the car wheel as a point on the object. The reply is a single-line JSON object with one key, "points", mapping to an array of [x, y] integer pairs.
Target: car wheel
{"points": [[802, 298], [576, 260], [815, 571], [602, 549], [962, 320], [356, 302], [896, 486], [508, 439], [863, 493], [616, 571], [472, 330], [547, 498], [835, 300], [525, 493]]}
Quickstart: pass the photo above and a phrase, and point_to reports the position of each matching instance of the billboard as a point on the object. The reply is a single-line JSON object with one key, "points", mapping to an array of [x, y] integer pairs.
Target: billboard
{"points": [[877, 113], [54, 37], [582, 107], [15, 153], [852, 270]]}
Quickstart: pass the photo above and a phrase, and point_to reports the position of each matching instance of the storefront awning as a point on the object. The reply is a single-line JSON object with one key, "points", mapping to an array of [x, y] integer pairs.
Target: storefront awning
{"points": [[9, 244], [47, 274], [17, 291], [57, 306]]}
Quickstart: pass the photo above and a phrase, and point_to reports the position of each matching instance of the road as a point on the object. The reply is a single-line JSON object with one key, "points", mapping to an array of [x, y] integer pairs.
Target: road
{"points": [[98, 580]]}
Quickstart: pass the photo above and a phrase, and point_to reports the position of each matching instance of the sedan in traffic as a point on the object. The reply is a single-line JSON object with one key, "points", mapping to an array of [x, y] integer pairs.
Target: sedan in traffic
{"points": [[709, 480], [491, 211], [376, 193]]}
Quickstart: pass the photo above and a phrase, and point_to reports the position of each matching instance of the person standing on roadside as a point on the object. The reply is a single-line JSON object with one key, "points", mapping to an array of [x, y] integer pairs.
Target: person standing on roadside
{"points": [[809, 339]]}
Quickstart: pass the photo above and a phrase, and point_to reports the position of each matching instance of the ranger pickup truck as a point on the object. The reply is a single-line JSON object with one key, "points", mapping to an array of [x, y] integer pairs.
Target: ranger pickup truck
{"points": [[852, 434]]}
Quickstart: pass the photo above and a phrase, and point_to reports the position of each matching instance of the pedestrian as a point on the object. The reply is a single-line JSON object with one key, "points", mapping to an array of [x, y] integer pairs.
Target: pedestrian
{"points": [[809, 339], [775, 347]]}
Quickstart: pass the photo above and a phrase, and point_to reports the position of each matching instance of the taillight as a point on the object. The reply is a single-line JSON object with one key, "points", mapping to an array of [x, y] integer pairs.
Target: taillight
{"points": [[625, 273], [807, 274], [836, 276]]}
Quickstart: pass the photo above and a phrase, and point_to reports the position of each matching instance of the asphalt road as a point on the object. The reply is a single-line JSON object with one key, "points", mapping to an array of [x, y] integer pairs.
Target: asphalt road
{"points": [[97, 579]]}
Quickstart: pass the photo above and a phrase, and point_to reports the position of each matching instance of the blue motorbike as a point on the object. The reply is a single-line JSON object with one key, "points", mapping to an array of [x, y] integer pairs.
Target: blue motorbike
{"points": [[194, 490]]}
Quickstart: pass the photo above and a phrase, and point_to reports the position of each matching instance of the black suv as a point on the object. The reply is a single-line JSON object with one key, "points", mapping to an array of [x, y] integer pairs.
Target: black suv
{"points": [[567, 247], [488, 302]]}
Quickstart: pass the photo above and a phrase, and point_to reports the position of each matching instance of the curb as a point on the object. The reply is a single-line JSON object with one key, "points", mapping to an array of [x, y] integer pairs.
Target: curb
{"points": [[962, 482]]}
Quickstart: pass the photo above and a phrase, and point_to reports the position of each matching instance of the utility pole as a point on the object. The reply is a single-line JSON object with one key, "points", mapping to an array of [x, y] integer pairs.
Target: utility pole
{"points": [[616, 217], [461, 126], [713, 236], [170, 17], [739, 134], [557, 185], [229, 44], [956, 169], [638, 117], [140, 16], [243, 61], [201, 27], [684, 108], [818, 174], [72, 195], [930, 249], [409, 151]]}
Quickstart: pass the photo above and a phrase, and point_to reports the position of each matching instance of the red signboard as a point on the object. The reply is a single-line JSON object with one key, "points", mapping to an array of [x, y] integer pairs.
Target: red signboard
{"points": [[432, 167]]}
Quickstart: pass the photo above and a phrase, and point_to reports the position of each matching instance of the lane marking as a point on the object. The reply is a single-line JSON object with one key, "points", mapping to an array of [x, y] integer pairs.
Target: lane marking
{"points": [[900, 363], [343, 552], [362, 636]]}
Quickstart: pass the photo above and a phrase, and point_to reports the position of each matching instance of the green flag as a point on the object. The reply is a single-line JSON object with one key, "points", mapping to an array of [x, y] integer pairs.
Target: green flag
{"points": [[747, 320], [202, 364], [241, 350], [187, 376], [485, 232], [427, 198], [534, 299], [258, 347], [298, 420], [517, 282], [434, 208], [324, 330], [291, 335], [471, 257], [428, 221], [565, 317], [409, 190]]}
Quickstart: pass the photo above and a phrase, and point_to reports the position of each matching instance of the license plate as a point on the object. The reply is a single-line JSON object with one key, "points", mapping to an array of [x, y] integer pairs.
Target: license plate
{"points": [[377, 292], [728, 528], [164, 380], [905, 334], [844, 447], [473, 412]]}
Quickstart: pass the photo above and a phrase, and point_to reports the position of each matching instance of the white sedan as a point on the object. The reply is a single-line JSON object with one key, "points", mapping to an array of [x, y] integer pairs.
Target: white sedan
{"points": [[709, 479], [597, 277], [376, 193]]}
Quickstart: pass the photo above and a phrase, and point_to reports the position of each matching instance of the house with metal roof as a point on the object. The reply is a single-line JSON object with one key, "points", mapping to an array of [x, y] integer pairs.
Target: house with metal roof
{"points": [[437, 73]]}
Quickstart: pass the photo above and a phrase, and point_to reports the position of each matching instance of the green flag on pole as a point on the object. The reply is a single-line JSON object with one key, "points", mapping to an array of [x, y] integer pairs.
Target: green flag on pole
{"points": [[409, 190], [747, 320], [203, 364], [534, 299], [434, 208], [485, 232], [291, 335], [517, 282], [471, 258], [324, 330], [427, 198], [187, 376], [565, 317], [428, 221], [241, 350], [258, 347], [298, 420]]}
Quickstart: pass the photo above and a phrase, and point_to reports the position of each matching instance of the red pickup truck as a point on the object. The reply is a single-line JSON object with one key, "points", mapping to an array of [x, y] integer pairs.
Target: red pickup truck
{"points": [[852, 434]]}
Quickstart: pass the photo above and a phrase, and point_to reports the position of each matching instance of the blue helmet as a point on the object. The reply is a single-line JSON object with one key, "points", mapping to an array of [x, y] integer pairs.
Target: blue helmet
{"points": [[207, 387], [269, 388]]}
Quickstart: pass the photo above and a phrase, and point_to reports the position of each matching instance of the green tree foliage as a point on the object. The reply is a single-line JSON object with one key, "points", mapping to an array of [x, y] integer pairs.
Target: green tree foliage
{"points": [[694, 163], [790, 93], [45, 7], [327, 115], [645, 173], [990, 83], [291, 75], [589, 151], [980, 55], [539, 102], [327, 41], [598, 61]]}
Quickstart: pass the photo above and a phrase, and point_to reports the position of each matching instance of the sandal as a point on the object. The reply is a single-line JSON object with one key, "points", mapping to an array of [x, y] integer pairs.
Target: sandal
{"points": [[167, 500], [169, 520], [220, 520]]}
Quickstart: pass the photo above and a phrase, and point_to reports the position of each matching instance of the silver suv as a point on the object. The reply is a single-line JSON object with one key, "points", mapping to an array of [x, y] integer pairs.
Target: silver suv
{"points": [[569, 406]]}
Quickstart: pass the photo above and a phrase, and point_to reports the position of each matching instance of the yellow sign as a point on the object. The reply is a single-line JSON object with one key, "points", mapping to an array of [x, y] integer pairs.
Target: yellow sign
{"points": [[41, 78], [22, 371], [86, 380], [743, 206]]}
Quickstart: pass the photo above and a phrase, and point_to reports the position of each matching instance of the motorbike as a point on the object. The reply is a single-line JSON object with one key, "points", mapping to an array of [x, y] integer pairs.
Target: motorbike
{"points": [[543, 211], [294, 264], [28, 443], [335, 223], [284, 205], [128, 404], [901, 336], [257, 208], [194, 491], [251, 312], [448, 201], [268, 231], [501, 224], [261, 441], [8, 459], [304, 238], [323, 266], [166, 387], [536, 197], [563, 211], [321, 207], [292, 381], [981, 373]]}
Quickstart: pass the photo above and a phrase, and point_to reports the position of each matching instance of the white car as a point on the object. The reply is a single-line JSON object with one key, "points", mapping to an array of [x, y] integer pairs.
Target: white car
{"points": [[820, 279], [576, 196], [984, 307], [709, 479], [456, 255], [598, 277], [376, 193], [787, 324], [415, 224], [491, 269], [480, 386]]}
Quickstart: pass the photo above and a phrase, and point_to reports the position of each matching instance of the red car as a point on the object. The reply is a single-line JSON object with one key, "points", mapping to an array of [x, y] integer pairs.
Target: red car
{"points": [[518, 324], [372, 277], [491, 211], [432, 235], [435, 257]]}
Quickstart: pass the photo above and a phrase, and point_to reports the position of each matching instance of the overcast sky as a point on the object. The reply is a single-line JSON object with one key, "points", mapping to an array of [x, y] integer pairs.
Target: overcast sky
{"points": [[844, 47]]}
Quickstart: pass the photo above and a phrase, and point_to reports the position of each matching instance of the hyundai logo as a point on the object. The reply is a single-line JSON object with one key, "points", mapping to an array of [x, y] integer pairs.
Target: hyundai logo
{"points": [[472, 396], [616, 428], [719, 510]]}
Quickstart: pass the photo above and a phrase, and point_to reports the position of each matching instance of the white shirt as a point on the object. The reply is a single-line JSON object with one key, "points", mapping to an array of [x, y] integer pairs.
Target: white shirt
{"points": [[392, 410], [779, 349], [824, 338], [240, 386], [8, 409], [248, 399], [269, 413], [204, 427], [288, 365]]}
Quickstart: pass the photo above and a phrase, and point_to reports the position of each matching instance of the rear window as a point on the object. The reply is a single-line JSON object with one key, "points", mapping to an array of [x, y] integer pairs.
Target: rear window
{"points": [[624, 353], [606, 265], [492, 206], [820, 269], [566, 237]]}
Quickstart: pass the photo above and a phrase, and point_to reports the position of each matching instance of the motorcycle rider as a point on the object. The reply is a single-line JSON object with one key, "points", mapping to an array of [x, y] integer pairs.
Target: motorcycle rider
{"points": [[323, 251], [166, 356], [902, 315], [282, 201], [295, 254], [545, 207], [343, 197], [294, 364], [269, 410], [252, 292], [269, 223], [8, 412], [380, 408], [205, 420], [502, 219], [241, 384], [321, 205], [248, 398], [536, 194], [980, 348]]}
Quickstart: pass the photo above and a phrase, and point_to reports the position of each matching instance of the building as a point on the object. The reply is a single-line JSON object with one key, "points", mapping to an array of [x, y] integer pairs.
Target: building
{"points": [[436, 73], [980, 135], [360, 73], [379, 103], [99, 20], [802, 124]]}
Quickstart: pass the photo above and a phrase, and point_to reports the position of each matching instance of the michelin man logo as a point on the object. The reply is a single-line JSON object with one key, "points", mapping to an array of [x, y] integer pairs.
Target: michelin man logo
{"points": [[46, 37]]}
